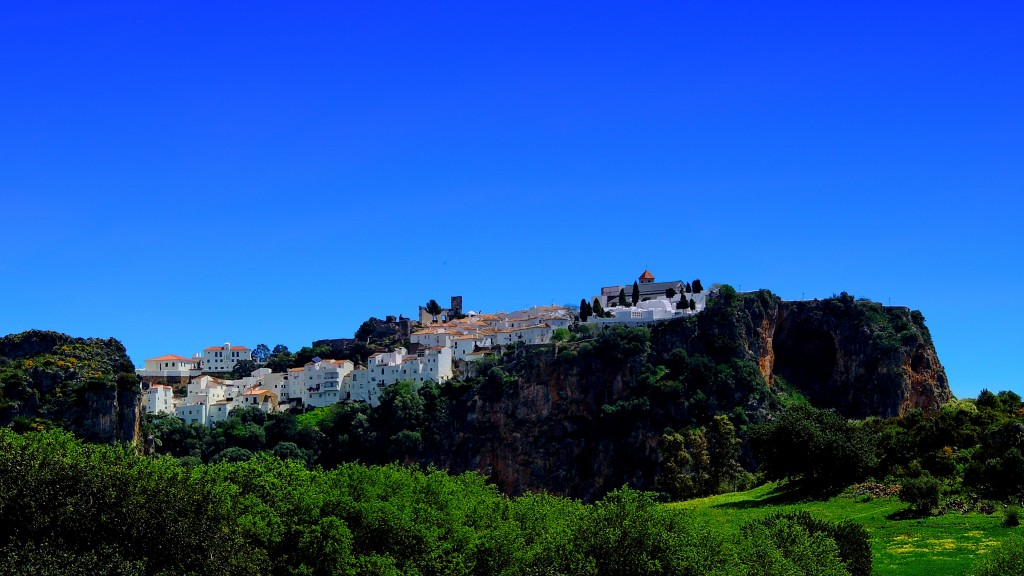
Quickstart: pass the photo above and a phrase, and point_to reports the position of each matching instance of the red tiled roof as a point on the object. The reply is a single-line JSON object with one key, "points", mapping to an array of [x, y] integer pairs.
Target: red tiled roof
{"points": [[169, 358]]}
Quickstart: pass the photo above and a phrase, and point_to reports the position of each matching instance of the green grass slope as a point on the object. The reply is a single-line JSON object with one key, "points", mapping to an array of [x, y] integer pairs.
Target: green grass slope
{"points": [[948, 544]]}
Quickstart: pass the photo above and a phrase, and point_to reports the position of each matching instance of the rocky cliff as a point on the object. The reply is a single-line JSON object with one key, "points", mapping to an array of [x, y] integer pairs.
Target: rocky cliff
{"points": [[582, 418], [855, 356], [87, 385]]}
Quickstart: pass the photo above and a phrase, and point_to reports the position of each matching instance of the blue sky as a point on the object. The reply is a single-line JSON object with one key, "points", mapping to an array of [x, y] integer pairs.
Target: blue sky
{"points": [[178, 175]]}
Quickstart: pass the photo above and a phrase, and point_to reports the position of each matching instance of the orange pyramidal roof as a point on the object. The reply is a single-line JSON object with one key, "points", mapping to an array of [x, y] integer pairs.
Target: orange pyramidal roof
{"points": [[647, 275]]}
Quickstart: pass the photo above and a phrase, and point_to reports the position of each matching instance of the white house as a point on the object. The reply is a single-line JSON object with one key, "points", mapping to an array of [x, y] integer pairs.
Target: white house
{"points": [[171, 363], [223, 358], [265, 400], [159, 399], [295, 386], [386, 368], [361, 389], [464, 346], [642, 313], [325, 382], [465, 336], [170, 366], [190, 412], [219, 411]]}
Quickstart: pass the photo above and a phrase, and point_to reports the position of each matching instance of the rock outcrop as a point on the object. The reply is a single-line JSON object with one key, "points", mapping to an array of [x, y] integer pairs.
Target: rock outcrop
{"points": [[87, 385]]}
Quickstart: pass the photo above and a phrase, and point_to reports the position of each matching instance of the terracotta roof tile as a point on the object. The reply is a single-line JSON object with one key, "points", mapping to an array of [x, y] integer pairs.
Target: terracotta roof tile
{"points": [[169, 357]]}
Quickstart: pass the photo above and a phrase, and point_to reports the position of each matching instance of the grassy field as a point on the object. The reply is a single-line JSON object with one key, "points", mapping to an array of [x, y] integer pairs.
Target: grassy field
{"points": [[934, 546]]}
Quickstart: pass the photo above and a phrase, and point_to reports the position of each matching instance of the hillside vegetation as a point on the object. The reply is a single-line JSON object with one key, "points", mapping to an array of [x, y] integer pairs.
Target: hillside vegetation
{"points": [[75, 509], [947, 544], [87, 385]]}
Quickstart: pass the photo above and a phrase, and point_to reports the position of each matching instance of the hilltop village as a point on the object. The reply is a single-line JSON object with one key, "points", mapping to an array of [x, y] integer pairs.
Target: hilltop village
{"points": [[436, 346]]}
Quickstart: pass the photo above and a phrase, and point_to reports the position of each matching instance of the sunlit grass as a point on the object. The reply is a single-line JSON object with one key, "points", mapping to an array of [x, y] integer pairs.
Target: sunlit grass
{"points": [[933, 546]]}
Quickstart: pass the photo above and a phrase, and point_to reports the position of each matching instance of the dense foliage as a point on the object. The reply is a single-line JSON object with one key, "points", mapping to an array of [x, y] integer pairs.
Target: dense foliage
{"points": [[818, 449], [72, 508], [970, 451]]}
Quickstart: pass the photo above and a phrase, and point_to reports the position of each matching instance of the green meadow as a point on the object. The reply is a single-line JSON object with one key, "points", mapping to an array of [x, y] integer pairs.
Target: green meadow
{"points": [[937, 545]]}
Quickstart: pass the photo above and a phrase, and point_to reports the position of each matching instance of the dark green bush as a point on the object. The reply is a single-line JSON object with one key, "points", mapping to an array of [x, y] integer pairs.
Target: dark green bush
{"points": [[922, 493], [851, 539], [1011, 517]]}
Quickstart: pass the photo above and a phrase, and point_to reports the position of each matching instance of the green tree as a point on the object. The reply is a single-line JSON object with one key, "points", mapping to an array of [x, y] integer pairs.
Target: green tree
{"points": [[922, 493], [585, 310], [684, 464], [818, 450], [670, 292], [636, 293], [724, 446], [693, 304], [598, 309], [434, 309], [697, 288], [243, 368], [260, 353], [622, 297]]}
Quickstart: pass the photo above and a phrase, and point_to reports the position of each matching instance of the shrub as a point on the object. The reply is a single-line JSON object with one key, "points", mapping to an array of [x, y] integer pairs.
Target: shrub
{"points": [[1011, 517], [1005, 561], [921, 493], [782, 544], [851, 539]]}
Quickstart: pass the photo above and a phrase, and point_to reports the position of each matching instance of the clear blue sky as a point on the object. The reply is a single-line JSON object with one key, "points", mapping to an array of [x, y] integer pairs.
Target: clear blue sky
{"points": [[181, 174]]}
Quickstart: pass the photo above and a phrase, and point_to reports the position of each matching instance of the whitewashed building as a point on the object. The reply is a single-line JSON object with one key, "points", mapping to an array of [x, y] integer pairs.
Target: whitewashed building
{"points": [[190, 413], [642, 313], [159, 399], [386, 368], [169, 367], [223, 358], [325, 382]]}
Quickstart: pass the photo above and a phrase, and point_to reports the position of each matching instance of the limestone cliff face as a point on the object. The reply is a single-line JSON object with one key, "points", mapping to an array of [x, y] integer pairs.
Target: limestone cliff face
{"points": [[580, 422], [860, 358], [547, 431], [857, 357], [87, 385]]}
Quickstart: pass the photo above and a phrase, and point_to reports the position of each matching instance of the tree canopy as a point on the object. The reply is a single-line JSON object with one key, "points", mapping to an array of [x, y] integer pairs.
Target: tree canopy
{"points": [[817, 449], [433, 308]]}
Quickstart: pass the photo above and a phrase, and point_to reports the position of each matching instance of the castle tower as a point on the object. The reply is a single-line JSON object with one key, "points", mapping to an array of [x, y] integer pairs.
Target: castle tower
{"points": [[647, 277]]}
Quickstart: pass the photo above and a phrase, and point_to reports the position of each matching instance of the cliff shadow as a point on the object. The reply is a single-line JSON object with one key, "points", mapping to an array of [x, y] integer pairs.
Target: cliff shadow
{"points": [[779, 495]]}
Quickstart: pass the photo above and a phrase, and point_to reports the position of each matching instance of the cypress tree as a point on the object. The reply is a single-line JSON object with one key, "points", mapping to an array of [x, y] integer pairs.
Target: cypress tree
{"points": [[636, 293], [585, 310]]}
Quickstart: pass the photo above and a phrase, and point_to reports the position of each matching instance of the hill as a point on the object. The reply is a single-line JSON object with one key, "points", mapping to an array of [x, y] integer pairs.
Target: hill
{"points": [[86, 385]]}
